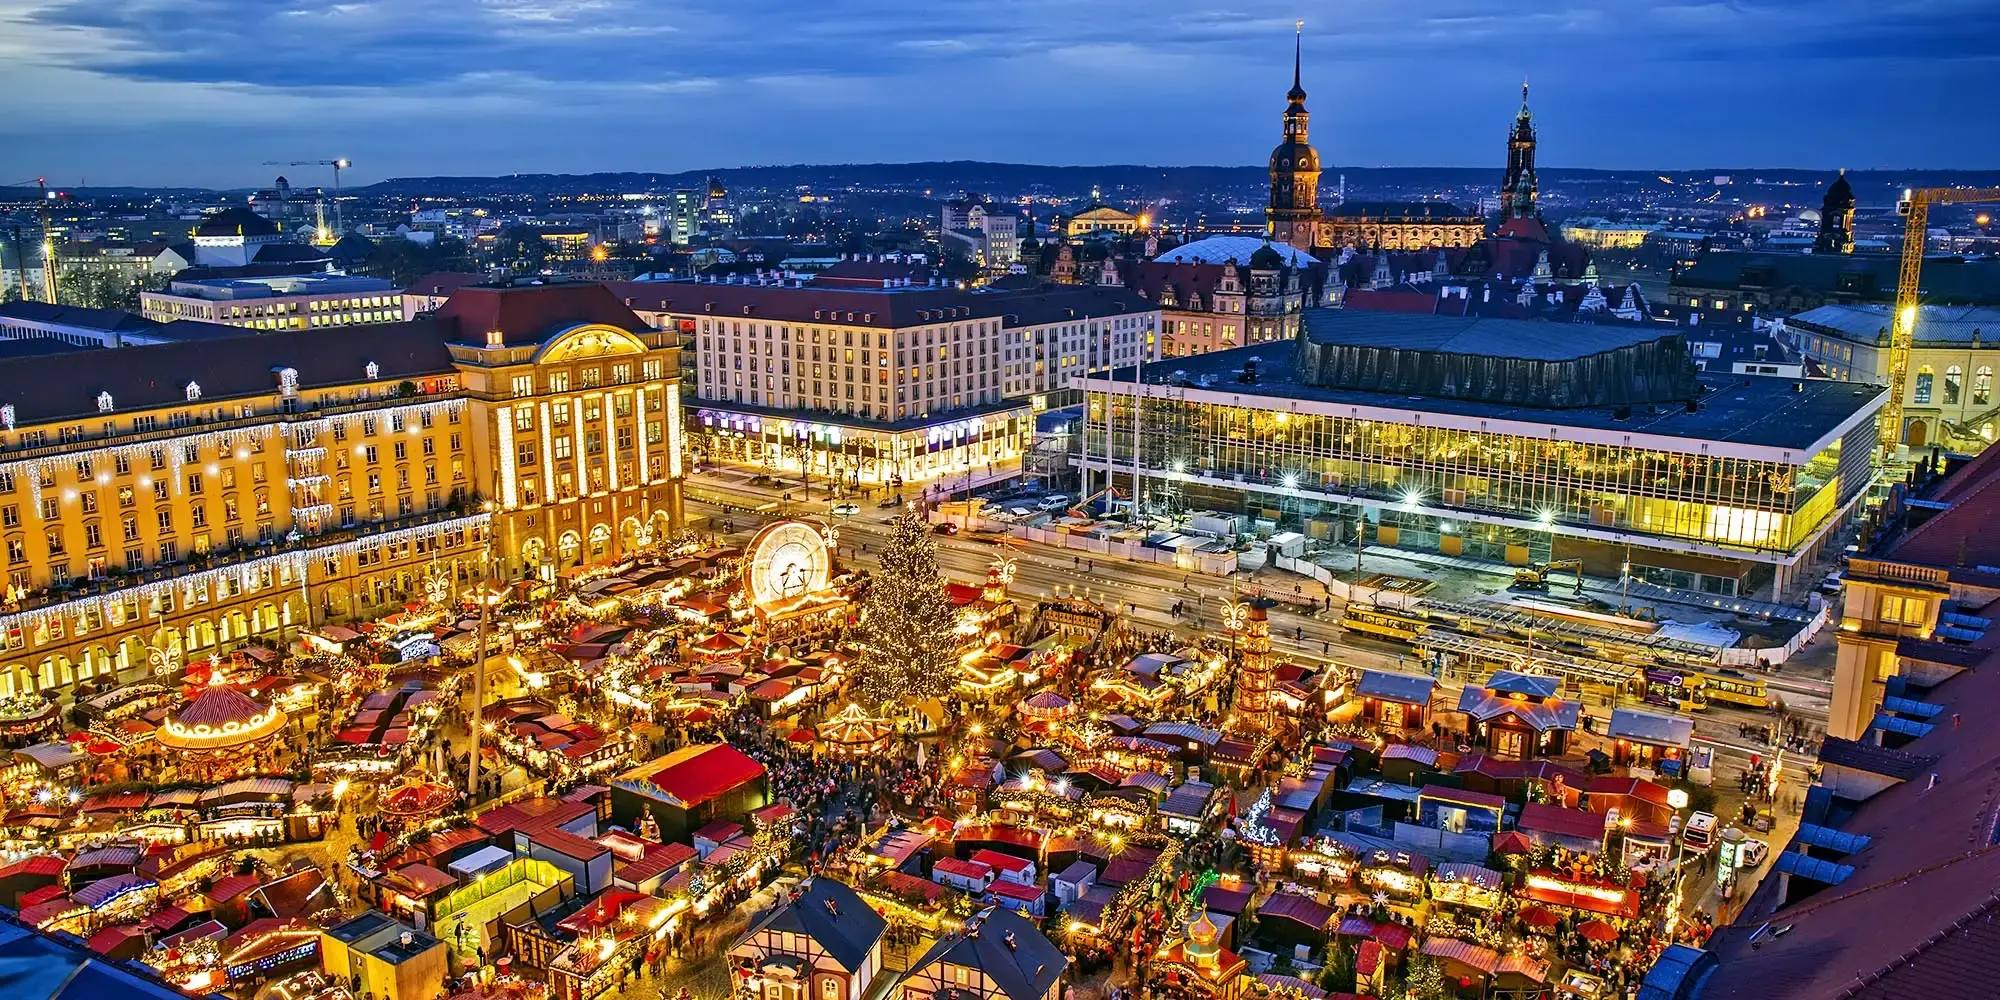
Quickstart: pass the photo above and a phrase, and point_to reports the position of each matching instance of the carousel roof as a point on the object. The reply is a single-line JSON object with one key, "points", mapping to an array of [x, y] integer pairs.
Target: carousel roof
{"points": [[218, 718], [418, 798], [722, 642], [854, 727], [1046, 705]]}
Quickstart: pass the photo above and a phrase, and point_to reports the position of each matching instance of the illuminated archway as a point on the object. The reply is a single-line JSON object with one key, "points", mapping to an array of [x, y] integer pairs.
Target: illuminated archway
{"points": [[569, 549], [628, 536], [600, 541]]}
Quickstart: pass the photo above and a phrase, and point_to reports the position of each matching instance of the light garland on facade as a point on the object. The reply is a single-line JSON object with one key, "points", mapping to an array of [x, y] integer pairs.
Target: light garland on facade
{"points": [[250, 572]]}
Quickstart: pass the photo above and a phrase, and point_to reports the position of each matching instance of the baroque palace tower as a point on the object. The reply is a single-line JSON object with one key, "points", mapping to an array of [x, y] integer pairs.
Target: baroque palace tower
{"points": [[1293, 215], [1519, 191]]}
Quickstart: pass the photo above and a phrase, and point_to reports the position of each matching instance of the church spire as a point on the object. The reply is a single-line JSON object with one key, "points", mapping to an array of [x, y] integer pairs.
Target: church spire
{"points": [[1293, 213], [1297, 95], [1519, 191]]}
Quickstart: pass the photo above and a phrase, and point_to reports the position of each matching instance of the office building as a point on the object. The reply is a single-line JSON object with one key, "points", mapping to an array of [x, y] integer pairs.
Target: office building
{"points": [[1509, 440], [167, 501], [882, 379], [990, 234], [283, 302]]}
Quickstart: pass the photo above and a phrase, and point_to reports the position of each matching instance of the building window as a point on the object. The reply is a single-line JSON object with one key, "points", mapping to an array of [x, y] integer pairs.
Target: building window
{"points": [[524, 385], [1898, 610], [1923, 387], [1953, 380], [1982, 386]]}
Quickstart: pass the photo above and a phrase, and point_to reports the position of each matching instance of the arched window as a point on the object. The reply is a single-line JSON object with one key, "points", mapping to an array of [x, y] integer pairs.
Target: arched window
{"points": [[1982, 386], [1922, 393], [1954, 379]]}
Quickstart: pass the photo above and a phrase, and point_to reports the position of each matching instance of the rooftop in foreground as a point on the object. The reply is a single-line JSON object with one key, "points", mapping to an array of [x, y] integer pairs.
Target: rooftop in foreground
{"points": [[1758, 411]]}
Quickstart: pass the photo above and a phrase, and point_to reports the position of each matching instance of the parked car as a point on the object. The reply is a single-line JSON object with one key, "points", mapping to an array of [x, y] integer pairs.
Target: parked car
{"points": [[1832, 583], [946, 528], [1754, 852], [846, 509], [1055, 501]]}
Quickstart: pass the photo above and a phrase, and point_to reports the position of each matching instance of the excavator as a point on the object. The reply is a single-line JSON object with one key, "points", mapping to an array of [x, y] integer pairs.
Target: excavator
{"points": [[1536, 577]]}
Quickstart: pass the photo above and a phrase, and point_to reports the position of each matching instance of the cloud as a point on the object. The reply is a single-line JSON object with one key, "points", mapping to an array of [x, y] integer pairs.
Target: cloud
{"points": [[421, 86]]}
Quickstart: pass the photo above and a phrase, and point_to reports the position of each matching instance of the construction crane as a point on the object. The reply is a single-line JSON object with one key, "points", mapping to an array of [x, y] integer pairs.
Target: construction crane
{"points": [[1916, 211], [338, 165], [43, 197]]}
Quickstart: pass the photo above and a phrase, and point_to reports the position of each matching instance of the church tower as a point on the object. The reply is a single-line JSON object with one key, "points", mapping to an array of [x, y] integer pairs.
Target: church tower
{"points": [[1519, 191], [1293, 215], [1836, 218]]}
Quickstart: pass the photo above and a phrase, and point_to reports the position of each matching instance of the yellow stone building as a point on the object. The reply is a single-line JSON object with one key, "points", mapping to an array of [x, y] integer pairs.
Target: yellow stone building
{"points": [[1916, 606], [163, 502]]}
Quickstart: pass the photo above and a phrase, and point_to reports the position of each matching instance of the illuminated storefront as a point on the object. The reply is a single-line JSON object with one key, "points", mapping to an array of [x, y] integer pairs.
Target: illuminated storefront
{"points": [[863, 452]]}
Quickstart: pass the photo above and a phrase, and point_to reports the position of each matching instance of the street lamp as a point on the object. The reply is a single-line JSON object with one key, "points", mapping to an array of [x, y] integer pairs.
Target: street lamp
{"points": [[1677, 798]]}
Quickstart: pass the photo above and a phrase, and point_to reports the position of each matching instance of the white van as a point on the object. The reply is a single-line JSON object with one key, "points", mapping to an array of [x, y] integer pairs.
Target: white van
{"points": [[1699, 834]]}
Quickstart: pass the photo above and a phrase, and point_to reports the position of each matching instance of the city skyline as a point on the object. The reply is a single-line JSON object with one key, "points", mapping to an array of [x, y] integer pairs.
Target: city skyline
{"points": [[202, 92]]}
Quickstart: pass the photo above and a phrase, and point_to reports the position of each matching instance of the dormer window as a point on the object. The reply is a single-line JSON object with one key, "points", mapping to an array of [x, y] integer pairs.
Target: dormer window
{"points": [[374, 370], [495, 338], [104, 402], [193, 391], [288, 381]]}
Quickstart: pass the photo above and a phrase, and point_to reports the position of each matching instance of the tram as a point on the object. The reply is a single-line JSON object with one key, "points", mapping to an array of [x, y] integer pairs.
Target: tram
{"points": [[1680, 690], [1736, 688]]}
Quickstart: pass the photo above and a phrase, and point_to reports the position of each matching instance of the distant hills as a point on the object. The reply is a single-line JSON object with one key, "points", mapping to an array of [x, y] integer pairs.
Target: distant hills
{"points": [[1117, 182]]}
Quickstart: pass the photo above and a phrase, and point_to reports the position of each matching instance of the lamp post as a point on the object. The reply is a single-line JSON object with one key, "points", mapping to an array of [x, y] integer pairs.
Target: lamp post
{"points": [[487, 593]]}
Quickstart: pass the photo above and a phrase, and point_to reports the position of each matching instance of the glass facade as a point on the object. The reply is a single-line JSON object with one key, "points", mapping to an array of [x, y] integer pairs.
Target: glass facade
{"points": [[1737, 503]]}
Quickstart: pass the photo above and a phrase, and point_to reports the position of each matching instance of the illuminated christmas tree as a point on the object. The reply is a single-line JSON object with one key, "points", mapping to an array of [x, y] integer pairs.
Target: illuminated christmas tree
{"points": [[909, 625], [1426, 981]]}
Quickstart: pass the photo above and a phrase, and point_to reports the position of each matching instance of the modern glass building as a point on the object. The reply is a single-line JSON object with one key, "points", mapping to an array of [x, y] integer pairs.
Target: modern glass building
{"points": [[1440, 434]]}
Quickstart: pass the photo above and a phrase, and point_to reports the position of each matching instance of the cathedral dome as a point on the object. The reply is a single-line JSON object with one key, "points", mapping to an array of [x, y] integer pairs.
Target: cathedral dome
{"points": [[1292, 155]]}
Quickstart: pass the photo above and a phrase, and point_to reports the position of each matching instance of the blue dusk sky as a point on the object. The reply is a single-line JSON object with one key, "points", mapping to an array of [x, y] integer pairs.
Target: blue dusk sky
{"points": [[201, 92]]}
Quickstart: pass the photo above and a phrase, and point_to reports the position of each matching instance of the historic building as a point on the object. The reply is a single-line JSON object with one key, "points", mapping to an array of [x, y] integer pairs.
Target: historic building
{"points": [[1294, 216], [1519, 191], [1836, 218], [1399, 225], [162, 502], [1227, 291]]}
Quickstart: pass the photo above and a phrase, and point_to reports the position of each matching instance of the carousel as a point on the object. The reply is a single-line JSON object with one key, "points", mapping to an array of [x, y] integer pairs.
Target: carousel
{"points": [[854, 733], [1046, 706], [416, 800], [222, 731]]}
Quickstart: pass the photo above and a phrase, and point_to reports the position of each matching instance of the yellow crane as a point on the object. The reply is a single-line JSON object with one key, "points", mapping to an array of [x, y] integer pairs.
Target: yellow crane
{"points": [[1916, 211]]}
